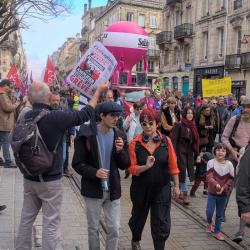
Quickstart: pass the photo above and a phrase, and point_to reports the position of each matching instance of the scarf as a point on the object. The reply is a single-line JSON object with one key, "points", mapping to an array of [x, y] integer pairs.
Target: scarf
{"points": [[192, 126], [202, 122]]}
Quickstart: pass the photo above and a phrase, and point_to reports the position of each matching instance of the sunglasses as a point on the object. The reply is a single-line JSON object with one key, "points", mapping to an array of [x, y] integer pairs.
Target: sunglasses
{"points": [[150, 123], [138, 109]]}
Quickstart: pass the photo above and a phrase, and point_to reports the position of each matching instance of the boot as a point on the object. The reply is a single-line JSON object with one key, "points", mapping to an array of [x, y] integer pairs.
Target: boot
{"points": [[181, 196], [185, 198]]}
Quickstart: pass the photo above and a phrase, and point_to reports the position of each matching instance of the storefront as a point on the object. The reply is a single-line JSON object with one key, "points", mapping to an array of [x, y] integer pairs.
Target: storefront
{"points": [[239, 88], [209, 72]]}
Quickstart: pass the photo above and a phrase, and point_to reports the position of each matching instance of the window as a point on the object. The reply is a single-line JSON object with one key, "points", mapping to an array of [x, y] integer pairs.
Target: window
{"points": [[139, 66], [237, 4], [189, 15], [207, 7], [141, 21], [222, 4], [238, 43], [153, 22], [110, 20], [151, 45], [130, 17], [177, 18], [221, 42], [166, 57], [205, 45], [169, 23], [151, 66], [175, 83], [187, 53], [176, 56]]}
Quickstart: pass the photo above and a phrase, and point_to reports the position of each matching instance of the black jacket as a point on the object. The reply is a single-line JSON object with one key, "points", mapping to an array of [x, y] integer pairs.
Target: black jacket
{"points": [[201, 168], [85, 162], [243, 183], [52, 128]]}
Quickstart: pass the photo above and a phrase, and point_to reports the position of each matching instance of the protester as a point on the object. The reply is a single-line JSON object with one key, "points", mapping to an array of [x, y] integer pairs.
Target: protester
{"points": [[108, 96], [180, 102], [229, 100], [185, 139], [198, 100], [243, 194], [114, 153], [190, 99], [221, 108], [228, 112], [120, 101], [158, 101], [201, 173], [205, 123], [49, 193], [204, 101], [150, 101], [237, 138], [220, 176], [68, 135], [77, 99], [7, 109], [169, 116], [239, 109], [217, 120], [132, 125], [153, 160]]}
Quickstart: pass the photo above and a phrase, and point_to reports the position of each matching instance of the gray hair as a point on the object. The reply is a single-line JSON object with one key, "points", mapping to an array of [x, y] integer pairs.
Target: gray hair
{"points": [[38, 92], [104, 94]]}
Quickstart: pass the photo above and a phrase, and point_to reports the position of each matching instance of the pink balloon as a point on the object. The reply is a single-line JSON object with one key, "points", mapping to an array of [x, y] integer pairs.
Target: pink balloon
{"points": [[125, 39]]}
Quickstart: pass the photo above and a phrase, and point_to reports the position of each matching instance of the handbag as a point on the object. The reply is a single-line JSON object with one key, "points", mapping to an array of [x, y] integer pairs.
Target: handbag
{"points": [[203, 141]]}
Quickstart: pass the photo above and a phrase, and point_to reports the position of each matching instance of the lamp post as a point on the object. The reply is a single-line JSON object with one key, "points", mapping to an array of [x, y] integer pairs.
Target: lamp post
{"points": [[244, 40]]}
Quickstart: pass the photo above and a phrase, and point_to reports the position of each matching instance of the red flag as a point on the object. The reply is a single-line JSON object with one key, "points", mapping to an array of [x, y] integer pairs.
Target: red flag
{"points": [[13, 75], [50, 73]]}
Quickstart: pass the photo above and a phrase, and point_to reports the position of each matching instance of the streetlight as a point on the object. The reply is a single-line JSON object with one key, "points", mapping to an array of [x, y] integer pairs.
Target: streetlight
{"points": [[244, 40]]}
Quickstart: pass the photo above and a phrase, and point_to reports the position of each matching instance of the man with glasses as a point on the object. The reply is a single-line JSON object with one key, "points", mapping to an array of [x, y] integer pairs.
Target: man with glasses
{"points": [[97, 159], [228, 112], [221, 108], [7, 109]]}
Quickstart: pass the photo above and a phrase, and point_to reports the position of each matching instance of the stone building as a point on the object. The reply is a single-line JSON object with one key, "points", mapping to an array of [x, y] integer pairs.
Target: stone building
{"points": [[12, 51], [145, 13], [201, 39]]}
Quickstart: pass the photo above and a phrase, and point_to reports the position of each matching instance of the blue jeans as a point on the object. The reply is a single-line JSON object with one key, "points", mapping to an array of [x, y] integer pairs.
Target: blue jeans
{"points": [[5, 145], [220, 202], [183, 185]]}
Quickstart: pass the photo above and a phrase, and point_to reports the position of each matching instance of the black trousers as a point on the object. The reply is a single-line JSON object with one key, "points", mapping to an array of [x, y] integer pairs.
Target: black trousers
{"points": [[159, 202]]}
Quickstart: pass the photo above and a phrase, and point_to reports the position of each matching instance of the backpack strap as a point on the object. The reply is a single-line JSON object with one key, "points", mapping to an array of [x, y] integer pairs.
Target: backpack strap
{"points": [[236, 124], [165, 140]]}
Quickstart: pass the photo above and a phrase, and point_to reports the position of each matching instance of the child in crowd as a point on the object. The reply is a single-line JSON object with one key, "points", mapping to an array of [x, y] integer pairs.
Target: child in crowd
{"points": [[220, 176], [200, 174]]}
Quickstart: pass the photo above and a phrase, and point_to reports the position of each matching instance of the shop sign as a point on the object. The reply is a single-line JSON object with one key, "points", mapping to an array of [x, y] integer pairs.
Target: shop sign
{"points": [[239, 83]]}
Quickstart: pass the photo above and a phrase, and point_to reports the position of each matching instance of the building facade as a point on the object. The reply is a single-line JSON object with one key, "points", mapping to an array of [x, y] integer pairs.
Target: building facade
{"points": [[201, 39]]}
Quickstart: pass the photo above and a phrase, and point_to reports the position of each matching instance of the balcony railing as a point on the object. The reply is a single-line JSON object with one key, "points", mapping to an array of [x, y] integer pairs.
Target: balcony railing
{"points": [[233, 61], [183, 30], [237, 4], [173, 1], [153, 53], [84, 30], [245, 60], [164, 36], [83, 46]]}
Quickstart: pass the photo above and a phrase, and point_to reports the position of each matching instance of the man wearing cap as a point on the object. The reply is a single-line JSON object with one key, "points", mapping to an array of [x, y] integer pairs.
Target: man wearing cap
{"points": [[97, 159]]}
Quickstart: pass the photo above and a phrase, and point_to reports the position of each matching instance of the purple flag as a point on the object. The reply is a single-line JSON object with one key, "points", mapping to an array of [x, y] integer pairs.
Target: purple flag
{"points": [[25, 84], [31, 79], [65, 82]]}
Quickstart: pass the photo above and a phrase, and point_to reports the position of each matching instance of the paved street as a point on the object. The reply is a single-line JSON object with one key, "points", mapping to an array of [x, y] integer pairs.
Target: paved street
{"points": [[186, 232]]}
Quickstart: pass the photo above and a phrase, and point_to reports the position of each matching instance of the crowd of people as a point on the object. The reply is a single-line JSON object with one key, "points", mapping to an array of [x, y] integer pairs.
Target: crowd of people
{"points": [[165, 140]]}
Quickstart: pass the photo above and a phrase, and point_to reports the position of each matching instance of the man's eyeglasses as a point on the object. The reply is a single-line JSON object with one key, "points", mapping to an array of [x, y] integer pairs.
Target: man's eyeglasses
{"points": [[138, 109], [214, 103], [144, 124]]}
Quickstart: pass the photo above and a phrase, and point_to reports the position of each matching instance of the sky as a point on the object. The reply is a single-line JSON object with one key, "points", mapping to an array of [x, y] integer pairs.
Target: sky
{"points": [[43, 39]]}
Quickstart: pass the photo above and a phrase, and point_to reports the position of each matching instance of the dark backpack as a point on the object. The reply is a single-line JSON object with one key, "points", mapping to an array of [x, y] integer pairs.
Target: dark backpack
{"points": [[31, 153]]}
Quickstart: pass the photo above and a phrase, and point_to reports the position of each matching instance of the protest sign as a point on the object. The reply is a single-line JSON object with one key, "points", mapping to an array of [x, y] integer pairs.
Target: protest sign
{"points": [[92, 69], [216, 87]]}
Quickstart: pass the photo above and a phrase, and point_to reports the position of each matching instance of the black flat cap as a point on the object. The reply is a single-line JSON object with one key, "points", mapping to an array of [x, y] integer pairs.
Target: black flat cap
{"points": [[110, 107]]}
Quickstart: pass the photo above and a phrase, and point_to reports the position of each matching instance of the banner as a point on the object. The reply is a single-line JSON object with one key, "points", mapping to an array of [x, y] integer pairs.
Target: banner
{"points": [[25, 85], [50, 73], [95, 66], [13, 75], [216, 87]]}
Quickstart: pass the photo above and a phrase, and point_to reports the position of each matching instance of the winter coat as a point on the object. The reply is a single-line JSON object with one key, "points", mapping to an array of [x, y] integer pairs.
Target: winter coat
{"points": [[227, 115], [201, 168], [183, 145], [130, 127], [6, 112], [243, 183], [85, 162]]}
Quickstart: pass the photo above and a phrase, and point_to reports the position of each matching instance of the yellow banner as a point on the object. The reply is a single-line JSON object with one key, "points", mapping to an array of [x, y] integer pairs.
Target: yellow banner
{"points": [[216, 87]]}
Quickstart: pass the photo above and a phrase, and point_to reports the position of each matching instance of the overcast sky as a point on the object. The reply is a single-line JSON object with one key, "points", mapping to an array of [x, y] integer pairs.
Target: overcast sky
{"points": [[43, 39]]}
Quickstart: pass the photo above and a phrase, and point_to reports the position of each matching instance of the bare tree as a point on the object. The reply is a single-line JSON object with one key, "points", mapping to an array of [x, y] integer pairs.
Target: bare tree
{"points": [[15, 14]]}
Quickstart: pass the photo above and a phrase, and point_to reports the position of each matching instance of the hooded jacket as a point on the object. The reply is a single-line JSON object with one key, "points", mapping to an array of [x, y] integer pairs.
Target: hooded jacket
{"points": [[6, 112]]}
